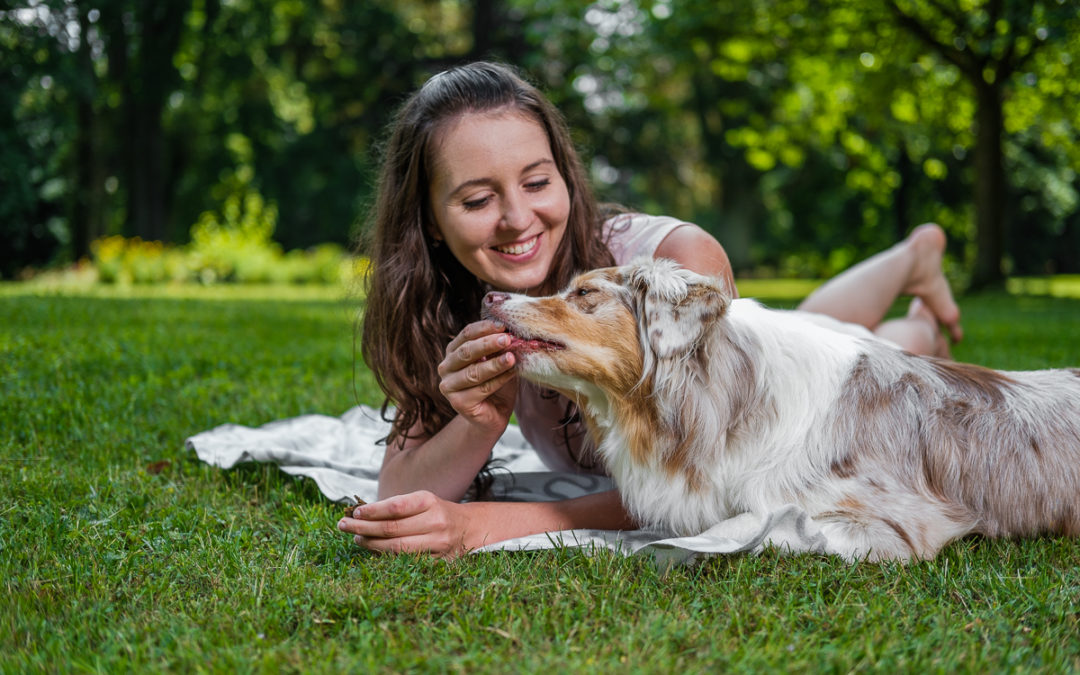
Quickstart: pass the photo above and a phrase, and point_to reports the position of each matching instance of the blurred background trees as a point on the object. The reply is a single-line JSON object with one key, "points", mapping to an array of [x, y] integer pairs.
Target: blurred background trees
{"points": [[805, 134]]}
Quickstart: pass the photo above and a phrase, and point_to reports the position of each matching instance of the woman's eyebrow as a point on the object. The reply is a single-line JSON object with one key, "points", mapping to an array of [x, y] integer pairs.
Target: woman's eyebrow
{"points": [[474, 182]]}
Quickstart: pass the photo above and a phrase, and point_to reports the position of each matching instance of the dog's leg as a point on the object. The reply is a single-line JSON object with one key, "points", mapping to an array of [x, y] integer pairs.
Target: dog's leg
{"points": [[897, 526], [874, 540]]}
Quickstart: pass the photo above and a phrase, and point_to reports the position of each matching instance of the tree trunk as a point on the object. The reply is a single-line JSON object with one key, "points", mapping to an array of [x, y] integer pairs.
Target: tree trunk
{"points": [[484, 24], [147, 208], [990, 186], [87, 214], [736, 202], [150, 82]]}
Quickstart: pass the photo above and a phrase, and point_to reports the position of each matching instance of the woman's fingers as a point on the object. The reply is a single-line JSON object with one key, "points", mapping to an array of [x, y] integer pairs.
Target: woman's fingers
{"points": [[476, 366], [477, 374], [417, 521], [470, 352], [403, 545], [474, 331]]}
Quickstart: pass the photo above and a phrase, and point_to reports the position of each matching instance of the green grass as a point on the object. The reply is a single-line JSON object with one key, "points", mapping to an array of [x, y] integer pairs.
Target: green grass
{"points": [[120, 551]]}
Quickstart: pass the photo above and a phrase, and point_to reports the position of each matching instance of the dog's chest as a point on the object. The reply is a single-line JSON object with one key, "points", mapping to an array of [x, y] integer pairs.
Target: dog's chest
{"points": [[670, 497]]}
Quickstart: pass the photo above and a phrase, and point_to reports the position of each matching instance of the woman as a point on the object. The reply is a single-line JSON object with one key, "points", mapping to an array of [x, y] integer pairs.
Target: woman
{"points": [[482, 189]]}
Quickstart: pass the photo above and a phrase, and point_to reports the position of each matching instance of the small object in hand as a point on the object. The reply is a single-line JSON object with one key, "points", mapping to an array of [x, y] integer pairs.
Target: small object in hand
{"points": [[349, 507]]}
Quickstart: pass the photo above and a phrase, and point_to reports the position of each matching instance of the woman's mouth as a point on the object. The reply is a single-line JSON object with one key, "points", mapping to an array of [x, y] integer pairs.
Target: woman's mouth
{"points": [[519, 248]]}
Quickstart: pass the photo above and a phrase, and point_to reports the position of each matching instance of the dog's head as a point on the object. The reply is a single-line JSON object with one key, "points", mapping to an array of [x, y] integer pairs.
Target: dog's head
{"points": [[610, 327]]}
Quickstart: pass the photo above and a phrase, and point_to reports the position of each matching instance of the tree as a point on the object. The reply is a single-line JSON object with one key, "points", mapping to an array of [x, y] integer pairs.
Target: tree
{"points": [[990, 42], [830, 125]]}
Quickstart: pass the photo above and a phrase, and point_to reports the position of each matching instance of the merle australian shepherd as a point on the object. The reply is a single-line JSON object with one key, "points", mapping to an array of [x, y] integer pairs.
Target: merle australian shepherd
{"points": [[704, 408]]}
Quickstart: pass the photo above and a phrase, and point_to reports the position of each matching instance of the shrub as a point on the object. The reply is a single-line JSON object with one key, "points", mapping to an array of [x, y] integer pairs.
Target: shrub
{"points": [[125, 261], [219, 256], [234, 244]]}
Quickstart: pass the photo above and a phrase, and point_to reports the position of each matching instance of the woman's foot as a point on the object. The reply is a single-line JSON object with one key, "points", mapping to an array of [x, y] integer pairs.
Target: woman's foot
{"points": [[927, 281], [935, 343]]}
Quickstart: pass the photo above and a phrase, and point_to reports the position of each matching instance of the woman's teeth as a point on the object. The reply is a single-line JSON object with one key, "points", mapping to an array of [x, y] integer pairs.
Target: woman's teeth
{"points": [[517, 249]]}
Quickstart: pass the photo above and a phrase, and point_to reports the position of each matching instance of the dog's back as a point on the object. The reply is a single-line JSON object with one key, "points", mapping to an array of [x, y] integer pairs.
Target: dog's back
{"points": [[998, 449]]}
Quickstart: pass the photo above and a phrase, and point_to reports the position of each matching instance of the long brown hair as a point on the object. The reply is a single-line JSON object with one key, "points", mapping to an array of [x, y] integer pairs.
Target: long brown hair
{"points": [[418, 295]]}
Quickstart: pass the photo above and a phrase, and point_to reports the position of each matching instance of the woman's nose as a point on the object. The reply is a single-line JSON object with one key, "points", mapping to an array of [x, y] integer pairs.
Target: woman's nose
{"points": [[515, 213]]}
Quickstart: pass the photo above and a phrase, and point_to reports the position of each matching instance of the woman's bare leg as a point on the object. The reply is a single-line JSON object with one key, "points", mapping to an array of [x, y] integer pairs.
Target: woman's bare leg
{"points": [[864, 293]]}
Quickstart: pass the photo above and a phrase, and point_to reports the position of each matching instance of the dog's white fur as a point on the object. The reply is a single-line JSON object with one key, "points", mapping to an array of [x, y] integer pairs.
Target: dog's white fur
{"points": [[704, 408]]}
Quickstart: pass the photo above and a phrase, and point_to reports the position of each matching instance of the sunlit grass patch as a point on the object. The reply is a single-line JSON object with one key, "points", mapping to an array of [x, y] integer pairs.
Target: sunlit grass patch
{"points": [[777, 289], [1059, 286]]}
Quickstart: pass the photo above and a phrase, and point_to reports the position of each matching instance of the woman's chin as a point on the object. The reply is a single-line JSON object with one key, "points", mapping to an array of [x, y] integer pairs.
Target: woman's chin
{"points": [[521, 280]]}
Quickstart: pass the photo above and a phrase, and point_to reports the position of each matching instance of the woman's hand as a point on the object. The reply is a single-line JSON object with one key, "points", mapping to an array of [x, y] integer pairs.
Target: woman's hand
{"points": [[421, 522], [413, 522], [477, 374]]}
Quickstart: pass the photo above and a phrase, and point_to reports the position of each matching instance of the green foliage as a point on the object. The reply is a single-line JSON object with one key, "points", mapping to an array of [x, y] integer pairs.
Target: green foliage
{"points": [[788, 128], [119, 551], [125, 261], [222, 254], [232, 244], [792, 129], [236, 243]]}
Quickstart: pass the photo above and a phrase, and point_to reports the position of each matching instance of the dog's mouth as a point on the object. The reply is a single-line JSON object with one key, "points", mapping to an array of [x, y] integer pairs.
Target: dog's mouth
{"points": [[521, 343]]}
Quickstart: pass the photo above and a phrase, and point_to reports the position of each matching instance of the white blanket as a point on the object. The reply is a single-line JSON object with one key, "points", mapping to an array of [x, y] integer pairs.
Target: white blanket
{"points": [[342, 456]]}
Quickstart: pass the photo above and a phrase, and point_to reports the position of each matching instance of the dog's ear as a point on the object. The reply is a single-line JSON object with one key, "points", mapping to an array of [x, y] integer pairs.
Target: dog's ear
{"points": [[676, 307]]}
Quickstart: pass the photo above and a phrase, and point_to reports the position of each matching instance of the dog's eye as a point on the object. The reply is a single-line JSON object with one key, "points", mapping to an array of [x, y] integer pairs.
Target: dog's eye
{"points": [[582, 292]]}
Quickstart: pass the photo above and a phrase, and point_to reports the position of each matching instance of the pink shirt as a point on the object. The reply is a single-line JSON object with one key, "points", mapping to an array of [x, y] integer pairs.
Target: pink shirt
{"points": [[543, 414]]}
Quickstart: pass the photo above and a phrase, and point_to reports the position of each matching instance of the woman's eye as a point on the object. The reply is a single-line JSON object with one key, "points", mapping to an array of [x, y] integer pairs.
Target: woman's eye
{"points": [[474, 204], [537, 185]]}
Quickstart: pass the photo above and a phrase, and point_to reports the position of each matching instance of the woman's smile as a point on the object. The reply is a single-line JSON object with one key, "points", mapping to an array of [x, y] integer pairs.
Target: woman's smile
{"points": [[519, 248]]}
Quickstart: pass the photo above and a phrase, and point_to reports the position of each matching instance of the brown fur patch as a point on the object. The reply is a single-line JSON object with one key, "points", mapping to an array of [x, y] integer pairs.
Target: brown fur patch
{"points": [[973, 382], [900, 532], [882, 421], [637, 418], [679, 462], [844, 467], [851, 504], [556, 319], [848, 508]]}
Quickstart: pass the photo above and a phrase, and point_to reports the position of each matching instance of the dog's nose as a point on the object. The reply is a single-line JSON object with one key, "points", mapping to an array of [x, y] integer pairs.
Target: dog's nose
{"points": [[494, 298]]}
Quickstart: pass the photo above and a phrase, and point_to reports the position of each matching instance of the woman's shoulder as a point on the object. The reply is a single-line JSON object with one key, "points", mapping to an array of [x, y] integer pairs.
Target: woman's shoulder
{"points": [[633, 235]]}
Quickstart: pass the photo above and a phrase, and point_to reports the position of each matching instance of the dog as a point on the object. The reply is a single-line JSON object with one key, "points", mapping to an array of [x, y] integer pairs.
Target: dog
{"points": [[704, 408]]}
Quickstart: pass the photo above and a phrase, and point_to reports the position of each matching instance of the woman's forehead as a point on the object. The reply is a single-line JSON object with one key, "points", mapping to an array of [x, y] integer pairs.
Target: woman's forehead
{"points": [[478, 142]]}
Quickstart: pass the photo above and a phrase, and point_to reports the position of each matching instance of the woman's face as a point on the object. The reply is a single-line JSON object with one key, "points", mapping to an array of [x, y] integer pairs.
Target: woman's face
{"points": [[499, 202]]}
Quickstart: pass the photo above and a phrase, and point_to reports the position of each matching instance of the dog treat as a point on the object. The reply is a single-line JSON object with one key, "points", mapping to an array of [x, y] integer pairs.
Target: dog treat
{"points": [[349, 507]]}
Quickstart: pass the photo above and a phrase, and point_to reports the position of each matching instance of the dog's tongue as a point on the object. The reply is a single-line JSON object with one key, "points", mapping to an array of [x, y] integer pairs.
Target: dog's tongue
{"points": [[519, 344]]}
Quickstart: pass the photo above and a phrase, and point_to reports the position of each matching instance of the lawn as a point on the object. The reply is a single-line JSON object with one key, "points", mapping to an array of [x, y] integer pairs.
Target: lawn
{"points": [[120, 551]]}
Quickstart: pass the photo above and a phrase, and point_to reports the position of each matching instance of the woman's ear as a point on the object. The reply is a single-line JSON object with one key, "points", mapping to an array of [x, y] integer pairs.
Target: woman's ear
{"points": [[434, 235]]}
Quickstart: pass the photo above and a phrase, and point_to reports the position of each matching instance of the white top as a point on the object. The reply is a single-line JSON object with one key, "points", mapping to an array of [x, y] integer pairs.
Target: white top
{"points": [[543, 414]]}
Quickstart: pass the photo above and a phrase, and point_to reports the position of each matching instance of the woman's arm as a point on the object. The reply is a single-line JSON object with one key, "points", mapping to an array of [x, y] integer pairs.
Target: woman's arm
{"points": [[478, 379], [422, 522], [445, 464]]}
